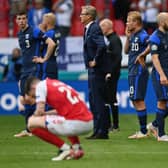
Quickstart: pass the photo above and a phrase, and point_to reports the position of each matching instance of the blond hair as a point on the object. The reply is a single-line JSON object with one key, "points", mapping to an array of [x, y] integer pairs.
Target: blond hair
{"points": [[51, 18], [136, 16]]}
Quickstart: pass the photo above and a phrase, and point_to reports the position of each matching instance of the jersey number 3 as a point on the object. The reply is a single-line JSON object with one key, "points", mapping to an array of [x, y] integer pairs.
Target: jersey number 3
{"points": [[72, 99]]}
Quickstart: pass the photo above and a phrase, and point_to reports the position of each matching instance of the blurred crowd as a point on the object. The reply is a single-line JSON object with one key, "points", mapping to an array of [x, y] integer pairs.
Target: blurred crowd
{"points": [[67, 13]]}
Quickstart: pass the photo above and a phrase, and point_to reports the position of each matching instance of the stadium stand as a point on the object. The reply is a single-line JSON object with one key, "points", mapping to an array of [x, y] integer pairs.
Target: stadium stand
{"points": [[4, 18]]}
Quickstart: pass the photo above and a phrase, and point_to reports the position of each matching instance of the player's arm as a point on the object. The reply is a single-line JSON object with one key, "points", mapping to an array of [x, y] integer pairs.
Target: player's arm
{"points": [[51, 112], [141, 57], [38, 34], [158, 67], [50, 48], [41, 96], [40, 109]]}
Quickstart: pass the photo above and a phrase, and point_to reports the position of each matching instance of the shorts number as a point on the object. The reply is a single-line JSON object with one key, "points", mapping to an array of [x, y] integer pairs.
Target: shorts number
{"points": [[131, 90], [72, 99], [27, 43]]}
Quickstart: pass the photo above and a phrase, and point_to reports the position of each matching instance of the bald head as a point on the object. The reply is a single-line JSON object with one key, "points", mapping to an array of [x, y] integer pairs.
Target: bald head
{"points": [[106, 26], [163, 16], [51, 19], [162, 20]]}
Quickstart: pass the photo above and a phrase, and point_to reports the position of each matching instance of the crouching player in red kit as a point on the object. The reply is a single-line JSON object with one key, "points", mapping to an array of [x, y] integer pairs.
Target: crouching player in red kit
{"points": [[69, 118]]}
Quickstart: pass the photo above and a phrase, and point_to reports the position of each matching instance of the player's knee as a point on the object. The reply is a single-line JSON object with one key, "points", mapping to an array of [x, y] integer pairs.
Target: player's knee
{"points": [[36, 122], [30, 123]]}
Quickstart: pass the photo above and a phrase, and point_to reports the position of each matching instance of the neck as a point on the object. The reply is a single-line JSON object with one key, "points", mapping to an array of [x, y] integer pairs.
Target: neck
{"points": [[23, 29], [49, 27], [161, 29], [137, 29], [109, 32], [88, 22]]}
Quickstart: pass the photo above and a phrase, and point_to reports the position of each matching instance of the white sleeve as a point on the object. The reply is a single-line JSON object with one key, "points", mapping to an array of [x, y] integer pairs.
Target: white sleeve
{"points": [[41, 92]]}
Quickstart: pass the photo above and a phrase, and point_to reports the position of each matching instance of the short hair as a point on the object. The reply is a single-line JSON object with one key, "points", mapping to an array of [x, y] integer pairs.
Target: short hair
{"points": [[136, 16], [21, 13], [91, 10], [52, 18], [29, 82]]}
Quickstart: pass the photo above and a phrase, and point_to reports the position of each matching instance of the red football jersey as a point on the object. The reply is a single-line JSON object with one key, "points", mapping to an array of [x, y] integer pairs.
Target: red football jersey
{"points": [[66, 101]]}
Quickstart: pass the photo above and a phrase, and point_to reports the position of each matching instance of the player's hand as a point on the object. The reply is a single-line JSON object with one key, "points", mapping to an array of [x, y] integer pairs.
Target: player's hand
{"points": [[42, 27], [127, 32], [30, 100], [92, 64], [141, 60], [163, 80], [39, 113], [38, 59]]}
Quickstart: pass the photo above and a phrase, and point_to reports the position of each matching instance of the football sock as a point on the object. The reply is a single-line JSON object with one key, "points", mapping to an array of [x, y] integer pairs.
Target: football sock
{"points": [[74, 140], [47, 136], [155, 124], [65, 147], [142, 117], [76, 146], [160, 113]]}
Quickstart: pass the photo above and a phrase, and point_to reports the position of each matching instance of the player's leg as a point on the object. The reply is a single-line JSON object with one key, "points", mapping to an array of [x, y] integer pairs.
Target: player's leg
{"points": [[71, 129], [27, 111], [138, 86], [160, 112], [37, 125], [76, 146], [162, 98]]}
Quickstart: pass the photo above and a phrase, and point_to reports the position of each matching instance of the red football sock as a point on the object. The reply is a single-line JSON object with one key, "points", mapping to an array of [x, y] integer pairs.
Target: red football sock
{"points": [[74, 140], [47, 136]]}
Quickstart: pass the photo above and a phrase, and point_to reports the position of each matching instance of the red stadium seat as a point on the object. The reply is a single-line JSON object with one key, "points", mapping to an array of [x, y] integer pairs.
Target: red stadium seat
{"points": [[100, 7], [119, 27], [15, 28], [4, 29], [77, 28]]}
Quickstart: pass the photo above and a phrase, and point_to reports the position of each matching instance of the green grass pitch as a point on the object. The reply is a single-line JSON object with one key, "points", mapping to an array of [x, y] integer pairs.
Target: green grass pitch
{"points": [[117, 152]]}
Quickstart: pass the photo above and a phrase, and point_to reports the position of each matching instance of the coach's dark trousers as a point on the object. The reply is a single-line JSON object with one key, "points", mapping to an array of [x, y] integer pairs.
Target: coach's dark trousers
{"points": [[96, 85]]}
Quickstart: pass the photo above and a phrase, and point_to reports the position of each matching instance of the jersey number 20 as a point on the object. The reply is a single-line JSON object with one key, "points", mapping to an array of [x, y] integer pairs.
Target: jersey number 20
{"points": [[135, 47]]}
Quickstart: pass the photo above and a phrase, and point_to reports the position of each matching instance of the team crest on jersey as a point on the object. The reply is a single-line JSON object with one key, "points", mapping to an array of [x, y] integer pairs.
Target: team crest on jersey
{"points": [[26, 36], [154, 47], [136, 39]]}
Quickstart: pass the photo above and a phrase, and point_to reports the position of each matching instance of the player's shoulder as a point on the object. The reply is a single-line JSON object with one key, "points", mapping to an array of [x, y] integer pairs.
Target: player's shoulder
{"points": [[41, 84], [143, 35], [53, 33], [154, 38]]}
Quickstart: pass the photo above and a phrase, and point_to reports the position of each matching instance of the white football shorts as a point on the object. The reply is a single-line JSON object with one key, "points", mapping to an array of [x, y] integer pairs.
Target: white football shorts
{"points": [[61, 126]]}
